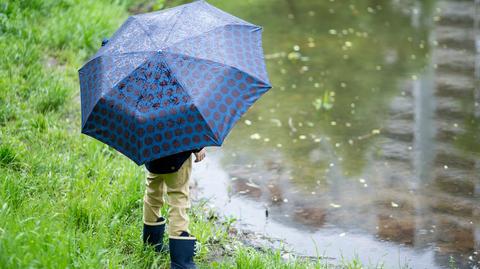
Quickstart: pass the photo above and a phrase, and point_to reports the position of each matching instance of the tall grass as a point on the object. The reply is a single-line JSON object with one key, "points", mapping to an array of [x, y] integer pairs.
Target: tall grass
{"points": [[65, 199]]}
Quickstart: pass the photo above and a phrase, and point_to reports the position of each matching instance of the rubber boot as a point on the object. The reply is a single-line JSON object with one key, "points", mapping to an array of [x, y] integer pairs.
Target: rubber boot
{"points": [[153, 235], [182, 250]]}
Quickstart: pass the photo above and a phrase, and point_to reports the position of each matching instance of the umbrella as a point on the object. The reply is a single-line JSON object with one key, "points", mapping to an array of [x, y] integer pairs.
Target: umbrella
{"points": [[172, 81]]}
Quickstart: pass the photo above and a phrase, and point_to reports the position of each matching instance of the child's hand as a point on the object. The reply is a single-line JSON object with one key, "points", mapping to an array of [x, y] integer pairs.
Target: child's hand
{"points": [[199, 156]]}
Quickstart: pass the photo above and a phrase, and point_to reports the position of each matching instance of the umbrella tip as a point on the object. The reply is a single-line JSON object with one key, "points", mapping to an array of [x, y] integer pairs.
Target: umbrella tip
{"points": [[104, 41]]}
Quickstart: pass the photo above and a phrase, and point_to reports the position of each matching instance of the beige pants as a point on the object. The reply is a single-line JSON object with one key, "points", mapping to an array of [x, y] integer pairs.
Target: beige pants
{"points": [[178, 198]]}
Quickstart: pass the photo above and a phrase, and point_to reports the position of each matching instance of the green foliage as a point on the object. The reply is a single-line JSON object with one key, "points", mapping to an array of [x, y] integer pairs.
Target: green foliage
{"points": [[8, 156], [7, 113], [140, 6], [39, 123], [49, 99]]}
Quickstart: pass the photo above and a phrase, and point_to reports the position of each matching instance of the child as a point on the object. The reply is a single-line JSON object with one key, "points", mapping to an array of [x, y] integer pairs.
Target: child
{"points": [[170, 174]]}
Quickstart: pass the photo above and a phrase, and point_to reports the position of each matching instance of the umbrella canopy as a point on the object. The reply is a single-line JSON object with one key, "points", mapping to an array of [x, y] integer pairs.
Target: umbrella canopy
{"points": [[172, 81]]}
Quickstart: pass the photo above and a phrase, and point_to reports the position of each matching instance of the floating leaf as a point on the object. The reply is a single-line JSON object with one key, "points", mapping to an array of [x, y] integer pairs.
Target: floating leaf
{"points": [[294, 55], [277, 122], [253, 185], [327, 102], [255, 136], [335, 205], [317, 103]]}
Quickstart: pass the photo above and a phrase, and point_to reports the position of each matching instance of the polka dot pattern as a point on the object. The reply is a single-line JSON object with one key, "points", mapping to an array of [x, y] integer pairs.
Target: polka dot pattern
{"points": [[172, 81], [102, 73], [222, 94], [148, 115], [235, 45]]}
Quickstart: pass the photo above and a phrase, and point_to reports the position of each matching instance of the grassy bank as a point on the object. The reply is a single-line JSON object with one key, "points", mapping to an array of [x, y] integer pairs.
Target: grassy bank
{"points": [[67, 200]]}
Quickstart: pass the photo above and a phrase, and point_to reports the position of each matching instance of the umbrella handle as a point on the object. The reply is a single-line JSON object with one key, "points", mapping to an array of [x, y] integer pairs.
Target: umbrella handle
{"points": [[105, 41]]}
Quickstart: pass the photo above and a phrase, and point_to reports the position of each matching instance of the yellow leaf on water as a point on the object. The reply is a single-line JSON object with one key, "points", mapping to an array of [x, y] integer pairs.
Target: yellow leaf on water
{"points": [[255, 136], [335, 205]]}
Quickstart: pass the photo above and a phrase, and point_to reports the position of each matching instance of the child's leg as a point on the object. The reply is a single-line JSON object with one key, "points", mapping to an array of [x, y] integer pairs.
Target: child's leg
{"points": [[153, 198], [178, 198]]}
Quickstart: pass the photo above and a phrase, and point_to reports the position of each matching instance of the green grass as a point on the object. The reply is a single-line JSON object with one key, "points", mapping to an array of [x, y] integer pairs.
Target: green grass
{"points": [[67, 200]]}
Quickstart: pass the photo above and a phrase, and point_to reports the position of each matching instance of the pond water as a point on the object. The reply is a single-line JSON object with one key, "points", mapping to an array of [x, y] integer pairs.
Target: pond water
{"points": [[368, 143]]}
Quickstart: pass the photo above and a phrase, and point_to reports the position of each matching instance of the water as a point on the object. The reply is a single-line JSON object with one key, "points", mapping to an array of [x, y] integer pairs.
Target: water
{"points": [[369, 142]]}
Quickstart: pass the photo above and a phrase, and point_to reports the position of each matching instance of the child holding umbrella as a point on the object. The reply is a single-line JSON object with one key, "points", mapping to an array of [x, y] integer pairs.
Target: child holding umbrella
{"points": [[170, 175]]}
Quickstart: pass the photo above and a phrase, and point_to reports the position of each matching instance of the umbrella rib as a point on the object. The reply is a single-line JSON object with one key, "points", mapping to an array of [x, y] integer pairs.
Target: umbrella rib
{"points": [[208, 124], [145, 31], [209, 31], [140, 65], [173, 26], [136, 68], [194, 36], [199, 113], [267, 83], [113, 55]]}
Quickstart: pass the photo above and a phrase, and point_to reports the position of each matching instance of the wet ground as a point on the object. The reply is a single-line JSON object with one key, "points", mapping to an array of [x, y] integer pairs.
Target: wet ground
{"points": [[369, 142]]}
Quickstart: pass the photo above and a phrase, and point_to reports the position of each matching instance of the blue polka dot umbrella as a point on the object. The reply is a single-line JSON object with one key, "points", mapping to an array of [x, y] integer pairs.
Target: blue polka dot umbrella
{"points": [[172, 81]]}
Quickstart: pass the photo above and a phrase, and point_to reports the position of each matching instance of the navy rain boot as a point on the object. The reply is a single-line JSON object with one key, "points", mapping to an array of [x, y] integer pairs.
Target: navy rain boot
{"points": [[182, 250], [153, 235]]}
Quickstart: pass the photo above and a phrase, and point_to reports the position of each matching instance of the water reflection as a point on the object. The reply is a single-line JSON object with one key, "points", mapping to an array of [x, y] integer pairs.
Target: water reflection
{"points": [[369, 141]]}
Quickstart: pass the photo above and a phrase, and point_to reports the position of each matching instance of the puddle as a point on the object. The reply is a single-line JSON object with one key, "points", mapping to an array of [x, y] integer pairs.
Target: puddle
{"points": [[369, 142]]}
